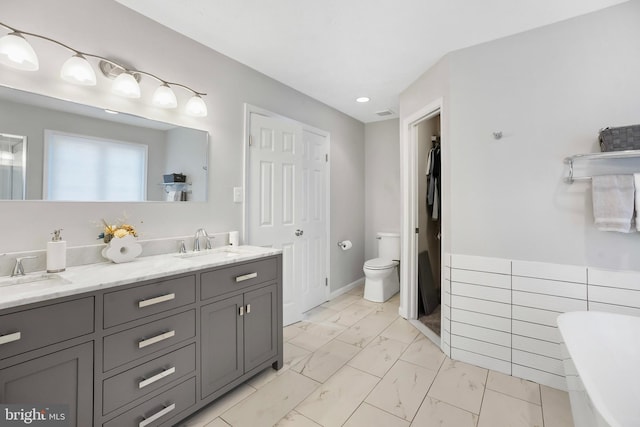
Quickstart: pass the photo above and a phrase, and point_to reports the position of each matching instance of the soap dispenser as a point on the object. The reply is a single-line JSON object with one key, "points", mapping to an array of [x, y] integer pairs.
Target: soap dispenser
{"points": [[56, 253]]}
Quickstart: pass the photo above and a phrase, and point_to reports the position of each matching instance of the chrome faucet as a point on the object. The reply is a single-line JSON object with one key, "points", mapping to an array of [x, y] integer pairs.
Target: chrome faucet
{"points": [[196, 240], [18, 268]]}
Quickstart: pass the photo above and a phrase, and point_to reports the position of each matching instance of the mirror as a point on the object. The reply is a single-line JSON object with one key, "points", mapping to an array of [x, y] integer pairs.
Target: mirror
{"points": [[52, 149]]}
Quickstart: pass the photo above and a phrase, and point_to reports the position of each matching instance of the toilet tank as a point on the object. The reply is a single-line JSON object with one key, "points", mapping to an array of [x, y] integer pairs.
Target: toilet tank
{"points": [[388, 245]]}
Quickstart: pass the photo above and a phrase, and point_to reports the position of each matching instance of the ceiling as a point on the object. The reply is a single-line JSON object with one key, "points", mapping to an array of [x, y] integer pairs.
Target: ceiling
{"points": [[338, 50]]}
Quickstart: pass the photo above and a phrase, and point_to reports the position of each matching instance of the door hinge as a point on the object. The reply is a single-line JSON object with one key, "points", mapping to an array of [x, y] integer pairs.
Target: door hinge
{"points": [[250, 140], [326, 158], [326, 281], [417, 230]]}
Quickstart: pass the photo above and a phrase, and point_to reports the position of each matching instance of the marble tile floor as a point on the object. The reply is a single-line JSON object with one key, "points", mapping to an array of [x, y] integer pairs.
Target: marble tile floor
{"points": [[355, 363]]}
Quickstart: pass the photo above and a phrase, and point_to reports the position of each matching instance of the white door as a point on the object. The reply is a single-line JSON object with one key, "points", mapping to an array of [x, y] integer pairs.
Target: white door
{"points": [[313, 220], [284, 198]]}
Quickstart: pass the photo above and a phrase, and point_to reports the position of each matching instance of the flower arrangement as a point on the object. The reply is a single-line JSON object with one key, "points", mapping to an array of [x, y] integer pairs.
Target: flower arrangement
{"points": [[121, 230]]}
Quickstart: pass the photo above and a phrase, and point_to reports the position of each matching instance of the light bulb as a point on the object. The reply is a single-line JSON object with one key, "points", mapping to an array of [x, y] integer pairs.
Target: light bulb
{"points": [[126, 85], [16, 52], [164, 97], [77, 70], [196, 107]]}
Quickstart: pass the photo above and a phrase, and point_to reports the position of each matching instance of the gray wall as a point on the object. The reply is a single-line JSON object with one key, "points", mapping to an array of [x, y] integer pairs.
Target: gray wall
{"points": [[548, 90], [382, 176], [109, 29]]}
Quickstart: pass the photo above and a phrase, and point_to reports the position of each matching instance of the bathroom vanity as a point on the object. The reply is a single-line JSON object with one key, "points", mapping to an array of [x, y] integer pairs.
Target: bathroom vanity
{"points": [[145, 343]]}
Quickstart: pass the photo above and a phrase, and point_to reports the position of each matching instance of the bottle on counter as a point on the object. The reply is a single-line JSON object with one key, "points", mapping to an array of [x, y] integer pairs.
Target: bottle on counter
{"points": [[56, 253]]}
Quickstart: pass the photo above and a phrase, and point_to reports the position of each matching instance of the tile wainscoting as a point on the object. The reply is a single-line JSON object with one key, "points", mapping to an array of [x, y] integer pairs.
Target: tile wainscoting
{"points": [[501, 314]]}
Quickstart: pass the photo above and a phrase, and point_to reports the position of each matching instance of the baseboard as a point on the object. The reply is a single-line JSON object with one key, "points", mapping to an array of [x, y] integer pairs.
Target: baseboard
{"points": [[346, 288], [426, 331]]}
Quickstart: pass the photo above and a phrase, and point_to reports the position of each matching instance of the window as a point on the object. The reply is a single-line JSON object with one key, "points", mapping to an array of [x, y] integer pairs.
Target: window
{"points": [[78, 167]]}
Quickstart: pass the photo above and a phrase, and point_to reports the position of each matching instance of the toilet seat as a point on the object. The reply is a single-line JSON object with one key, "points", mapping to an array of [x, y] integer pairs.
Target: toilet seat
{"points": [[380, 264]]}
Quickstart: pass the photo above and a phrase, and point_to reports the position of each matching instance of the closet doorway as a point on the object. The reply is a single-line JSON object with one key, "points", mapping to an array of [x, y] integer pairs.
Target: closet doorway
{"points": [[429, 222], [425, 217]]}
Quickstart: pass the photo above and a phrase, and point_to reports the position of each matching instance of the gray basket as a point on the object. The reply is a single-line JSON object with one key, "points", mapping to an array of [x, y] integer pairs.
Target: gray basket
{"points": [[620, 138]]}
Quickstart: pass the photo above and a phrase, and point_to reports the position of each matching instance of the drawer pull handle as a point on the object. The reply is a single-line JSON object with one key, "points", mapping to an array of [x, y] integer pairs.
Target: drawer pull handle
{"points": [[157, 338], [4, 339], [246, 277], [156, 300], [157, 377], [157, 415]]}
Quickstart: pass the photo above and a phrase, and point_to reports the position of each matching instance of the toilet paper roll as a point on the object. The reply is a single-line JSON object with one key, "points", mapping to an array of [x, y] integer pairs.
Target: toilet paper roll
{"points": [[345, 245], [234, 238]]}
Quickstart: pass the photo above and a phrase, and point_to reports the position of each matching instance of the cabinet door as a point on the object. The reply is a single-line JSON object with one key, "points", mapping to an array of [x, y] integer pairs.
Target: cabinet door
{"points": [[64, 377], [221, 348], [260, 329]]}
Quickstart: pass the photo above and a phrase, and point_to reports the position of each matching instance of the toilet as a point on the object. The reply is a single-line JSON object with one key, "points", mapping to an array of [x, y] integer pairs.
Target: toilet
{"points": [[381, 274]]}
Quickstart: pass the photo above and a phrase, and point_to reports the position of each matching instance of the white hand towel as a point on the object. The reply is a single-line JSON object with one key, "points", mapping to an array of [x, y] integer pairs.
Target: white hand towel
{"points": [[613, 202], [636, 178]]}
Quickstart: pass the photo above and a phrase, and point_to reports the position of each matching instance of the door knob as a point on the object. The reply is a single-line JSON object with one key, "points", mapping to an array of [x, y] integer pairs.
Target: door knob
{"points": [[299, 232]]}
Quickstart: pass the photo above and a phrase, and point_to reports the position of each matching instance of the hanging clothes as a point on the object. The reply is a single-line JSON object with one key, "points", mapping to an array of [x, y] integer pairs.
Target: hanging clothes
{"points": [[433, 181]]}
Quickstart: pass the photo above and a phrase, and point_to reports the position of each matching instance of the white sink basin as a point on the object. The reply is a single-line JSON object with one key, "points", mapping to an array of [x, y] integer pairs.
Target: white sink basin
{"points": [[212, 254], [41, 278], [605, 349]]}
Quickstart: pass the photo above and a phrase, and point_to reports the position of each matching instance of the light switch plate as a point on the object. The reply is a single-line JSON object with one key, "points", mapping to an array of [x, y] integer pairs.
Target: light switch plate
{"points": [[237, 194]]}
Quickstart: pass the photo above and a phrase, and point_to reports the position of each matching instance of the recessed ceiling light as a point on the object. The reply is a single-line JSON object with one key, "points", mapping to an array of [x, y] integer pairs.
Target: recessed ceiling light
{"points": [[363, 99], [110, 111]]}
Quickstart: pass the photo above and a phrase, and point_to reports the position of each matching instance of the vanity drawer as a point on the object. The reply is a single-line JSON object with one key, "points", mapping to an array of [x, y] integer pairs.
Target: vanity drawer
{"points": [[141, 380], [219, 282], [137, 342], [159, 409], [135, 303], [42, 326]]}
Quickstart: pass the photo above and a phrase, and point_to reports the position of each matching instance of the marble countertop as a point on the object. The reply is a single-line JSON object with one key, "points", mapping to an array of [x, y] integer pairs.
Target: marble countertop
{"points": [[605, 349], [39, 286]]}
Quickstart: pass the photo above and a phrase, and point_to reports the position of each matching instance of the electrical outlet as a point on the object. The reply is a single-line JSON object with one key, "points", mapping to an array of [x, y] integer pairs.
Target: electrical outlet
{"points": [[237, 194]]}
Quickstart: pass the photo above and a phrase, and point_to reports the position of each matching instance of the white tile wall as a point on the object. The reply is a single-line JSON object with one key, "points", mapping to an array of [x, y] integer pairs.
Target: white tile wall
{"points": [[481, 347], [541, 270], [481, 292], [445, 322], [481, 278], [502, 314], [480, 319], [548, 302], [614, 279], [616, 296], [550, 287], [480, 333], [481, 306], [491, 265]]}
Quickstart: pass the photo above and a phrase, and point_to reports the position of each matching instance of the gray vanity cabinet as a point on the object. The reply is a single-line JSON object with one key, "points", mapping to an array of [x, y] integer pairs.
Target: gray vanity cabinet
{"points": [[222, 337], [149, 353], [237, 335], [63, 377]]}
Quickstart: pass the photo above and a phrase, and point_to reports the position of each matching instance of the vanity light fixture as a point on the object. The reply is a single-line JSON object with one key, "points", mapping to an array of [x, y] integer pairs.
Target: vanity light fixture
{"points": [[77, 70], [126, 85], [16, 52], [164, 97], [363, 99], [196, 107]]}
